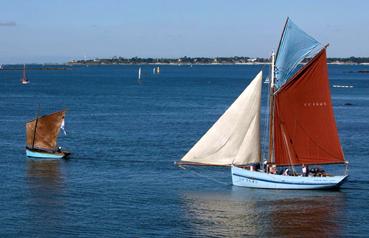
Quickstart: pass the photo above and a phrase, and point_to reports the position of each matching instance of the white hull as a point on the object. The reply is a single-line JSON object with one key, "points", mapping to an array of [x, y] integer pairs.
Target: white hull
{"points": [[253, 179]]}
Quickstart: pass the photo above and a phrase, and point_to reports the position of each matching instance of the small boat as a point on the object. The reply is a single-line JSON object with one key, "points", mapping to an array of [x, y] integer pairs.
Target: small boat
{"points": [[42, 134], [158, 70], [342, 86], [139, 80], [302, 130], [24, 79]]}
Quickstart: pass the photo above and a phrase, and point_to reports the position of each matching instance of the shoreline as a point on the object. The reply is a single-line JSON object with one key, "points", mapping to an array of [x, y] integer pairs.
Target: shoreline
{"points": [[188, 64], [46, 66]]}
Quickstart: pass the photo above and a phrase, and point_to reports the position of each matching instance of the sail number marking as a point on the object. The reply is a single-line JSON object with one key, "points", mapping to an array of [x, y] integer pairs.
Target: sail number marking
{"points": [[315, 104]]}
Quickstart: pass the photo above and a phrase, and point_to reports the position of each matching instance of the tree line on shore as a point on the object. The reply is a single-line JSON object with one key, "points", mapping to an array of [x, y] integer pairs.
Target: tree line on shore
{"points": [[202, 60]]}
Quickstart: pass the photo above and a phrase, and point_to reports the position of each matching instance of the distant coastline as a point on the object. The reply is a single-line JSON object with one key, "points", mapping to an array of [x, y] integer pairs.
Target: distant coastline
{"points": [[202, 61]]}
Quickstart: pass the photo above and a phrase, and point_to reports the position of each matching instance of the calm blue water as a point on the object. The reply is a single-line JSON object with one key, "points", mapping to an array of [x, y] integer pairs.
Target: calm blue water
{"points": [[121, 180]]}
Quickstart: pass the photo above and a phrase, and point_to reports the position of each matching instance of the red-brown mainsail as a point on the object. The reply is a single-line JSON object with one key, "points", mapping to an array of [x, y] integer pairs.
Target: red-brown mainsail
{"points": [[304, 125]]}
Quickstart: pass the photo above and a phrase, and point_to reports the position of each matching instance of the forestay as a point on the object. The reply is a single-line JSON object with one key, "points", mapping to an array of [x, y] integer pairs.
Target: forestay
{"points": [[295, 45], [235, 136]]}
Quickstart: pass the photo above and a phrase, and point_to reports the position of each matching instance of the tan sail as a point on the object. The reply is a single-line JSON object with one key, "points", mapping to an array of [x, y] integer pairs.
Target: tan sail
{"points": [[46, 133], [235, 137]]}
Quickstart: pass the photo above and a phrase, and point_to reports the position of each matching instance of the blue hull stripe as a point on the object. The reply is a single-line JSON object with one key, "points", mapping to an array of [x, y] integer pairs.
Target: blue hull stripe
{"points": [[270, 181]]}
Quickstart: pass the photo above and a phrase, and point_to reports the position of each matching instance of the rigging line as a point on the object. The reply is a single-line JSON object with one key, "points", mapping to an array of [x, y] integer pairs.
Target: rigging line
{"points": [[281, 37], [314, 142], [201, 175], [266, 120], [312, 139], [288, 149], [35, 128], [262, 67], [271, 154]]}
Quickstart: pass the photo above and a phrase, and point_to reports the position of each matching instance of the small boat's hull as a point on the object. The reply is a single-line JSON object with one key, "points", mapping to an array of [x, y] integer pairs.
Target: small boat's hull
{"points": [[254, 179], [45, 155]]}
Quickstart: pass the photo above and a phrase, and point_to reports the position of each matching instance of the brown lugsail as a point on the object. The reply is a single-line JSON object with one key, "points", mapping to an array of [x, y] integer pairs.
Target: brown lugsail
{"points": [[42, 133], [304, 124]]}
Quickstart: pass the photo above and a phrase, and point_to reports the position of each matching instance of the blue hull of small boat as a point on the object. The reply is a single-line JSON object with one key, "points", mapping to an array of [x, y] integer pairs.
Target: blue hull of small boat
{"points": [[44, 155]]}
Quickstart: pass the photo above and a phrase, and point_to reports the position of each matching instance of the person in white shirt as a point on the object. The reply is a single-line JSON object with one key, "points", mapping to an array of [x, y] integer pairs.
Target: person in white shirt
{"points": [[304, 171], [265, 166]]}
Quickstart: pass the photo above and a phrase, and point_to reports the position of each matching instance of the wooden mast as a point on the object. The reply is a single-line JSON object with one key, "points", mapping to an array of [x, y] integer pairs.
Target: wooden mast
{"points": [[34, 130], [271, 98], [34, 133], [24, 73], [271, 111]]}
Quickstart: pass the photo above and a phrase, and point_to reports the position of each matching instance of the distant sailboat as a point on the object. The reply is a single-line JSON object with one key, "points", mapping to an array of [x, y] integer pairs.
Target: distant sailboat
{"points": [[42, 134], [24, 79], [158, 70], [139, 73], [302, 126], [139, 76]]}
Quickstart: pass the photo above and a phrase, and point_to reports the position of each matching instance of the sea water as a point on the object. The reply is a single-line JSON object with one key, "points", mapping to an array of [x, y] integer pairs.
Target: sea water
{"points": [[125, 135]]}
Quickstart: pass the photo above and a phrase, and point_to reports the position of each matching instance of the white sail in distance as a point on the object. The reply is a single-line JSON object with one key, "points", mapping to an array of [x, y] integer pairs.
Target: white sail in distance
{"points": [[235, 136]]}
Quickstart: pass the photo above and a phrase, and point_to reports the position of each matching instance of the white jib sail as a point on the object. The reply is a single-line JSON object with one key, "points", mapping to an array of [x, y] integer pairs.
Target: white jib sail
{"points": [[235, 136]]}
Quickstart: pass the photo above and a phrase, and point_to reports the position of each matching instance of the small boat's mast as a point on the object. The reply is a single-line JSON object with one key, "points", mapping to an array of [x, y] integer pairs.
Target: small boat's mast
{"points": [[34, 134], [24, 72], [34, 130], [271, 112]]}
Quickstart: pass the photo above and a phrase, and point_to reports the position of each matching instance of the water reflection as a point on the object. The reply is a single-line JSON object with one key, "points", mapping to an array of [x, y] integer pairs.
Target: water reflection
{"points": [[255, 212], [46, 188]]}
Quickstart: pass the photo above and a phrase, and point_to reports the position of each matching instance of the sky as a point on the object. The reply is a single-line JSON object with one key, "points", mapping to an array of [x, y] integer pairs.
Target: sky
{"points": [[57, 31]]}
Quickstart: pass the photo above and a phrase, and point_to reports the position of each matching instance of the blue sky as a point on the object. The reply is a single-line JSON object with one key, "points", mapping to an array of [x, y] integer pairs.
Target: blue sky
{"points": [[58, 31]]}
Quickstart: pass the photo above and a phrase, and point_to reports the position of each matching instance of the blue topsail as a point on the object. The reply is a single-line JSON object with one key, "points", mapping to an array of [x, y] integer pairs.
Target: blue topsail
{"points": [[294, 47]]}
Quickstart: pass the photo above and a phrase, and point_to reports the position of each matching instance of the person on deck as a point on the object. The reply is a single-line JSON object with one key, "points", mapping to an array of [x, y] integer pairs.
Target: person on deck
{"points": [[265, 164], [304, 170], [272, 169]]}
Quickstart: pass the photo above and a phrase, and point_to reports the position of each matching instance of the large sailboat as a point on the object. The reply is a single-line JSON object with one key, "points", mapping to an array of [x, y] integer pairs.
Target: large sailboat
{"points": [[42, 134], [302, 128]]}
